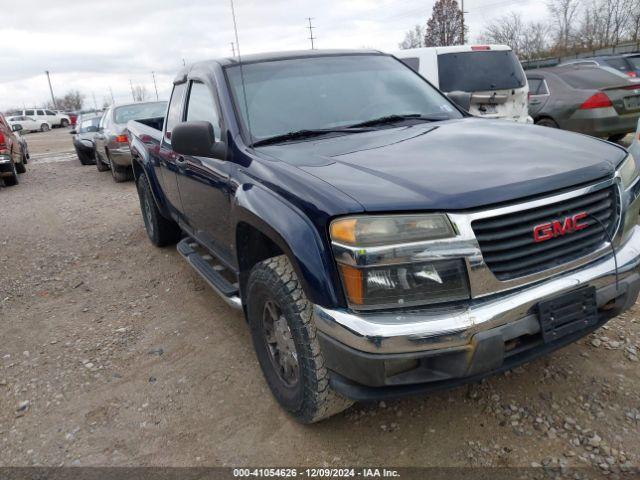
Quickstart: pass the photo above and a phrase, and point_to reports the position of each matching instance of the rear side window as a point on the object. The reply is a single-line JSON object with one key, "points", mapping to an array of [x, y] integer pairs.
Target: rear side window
{"points": [[29, 112], [635, 62], [589, 78], [534, 85], [49, 112], [618, 63], [174, 115], [480, 71], [412, 62], [202, 107]]}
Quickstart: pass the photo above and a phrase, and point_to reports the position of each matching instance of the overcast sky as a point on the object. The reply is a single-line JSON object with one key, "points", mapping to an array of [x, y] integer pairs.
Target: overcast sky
{"points": [[94, 45]]}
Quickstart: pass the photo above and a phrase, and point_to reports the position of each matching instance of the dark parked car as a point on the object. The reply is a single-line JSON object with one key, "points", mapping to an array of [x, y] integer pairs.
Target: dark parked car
{"points": [[585, 99], [87, 127], [634, 59], [13, 155], [112, 144], [381, 241], [620, 63]]}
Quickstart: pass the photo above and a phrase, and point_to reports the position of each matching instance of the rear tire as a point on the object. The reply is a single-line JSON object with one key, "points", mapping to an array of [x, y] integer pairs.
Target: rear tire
{"points": [[286, 343], [616, 138], [547, 122], [120, 174], [44, 127], [161, 231], [21, 168], [100, 165], [13, 179], [64, 123]]}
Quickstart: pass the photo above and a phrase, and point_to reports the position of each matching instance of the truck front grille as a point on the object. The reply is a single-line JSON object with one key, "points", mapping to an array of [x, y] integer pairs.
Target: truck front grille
{"points": [[510, 250]]}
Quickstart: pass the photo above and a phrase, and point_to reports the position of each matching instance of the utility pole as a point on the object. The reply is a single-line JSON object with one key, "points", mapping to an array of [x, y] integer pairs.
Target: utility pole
{"points": [[154, 84], [233, 50], [311, 37], [132, 94], [53, 98], [113, 102], [95, 104], [463, 12]]}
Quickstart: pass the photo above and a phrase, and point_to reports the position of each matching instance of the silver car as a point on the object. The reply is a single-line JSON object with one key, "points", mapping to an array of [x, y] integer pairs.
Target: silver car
{"points": [[112, 143]]}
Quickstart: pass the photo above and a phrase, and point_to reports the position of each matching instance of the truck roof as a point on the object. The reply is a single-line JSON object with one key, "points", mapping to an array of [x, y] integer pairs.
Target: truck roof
{"points": [[451, 49], [267, 57]]}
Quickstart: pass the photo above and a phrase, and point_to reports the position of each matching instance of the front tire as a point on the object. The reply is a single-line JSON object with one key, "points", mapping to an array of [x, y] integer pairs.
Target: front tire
{"points": [[120, 174], [286, 343], [44, 127], [161, 231]]}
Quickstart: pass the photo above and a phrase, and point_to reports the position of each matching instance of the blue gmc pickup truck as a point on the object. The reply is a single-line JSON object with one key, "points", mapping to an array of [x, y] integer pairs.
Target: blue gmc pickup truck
{"points": [[380, 240]]}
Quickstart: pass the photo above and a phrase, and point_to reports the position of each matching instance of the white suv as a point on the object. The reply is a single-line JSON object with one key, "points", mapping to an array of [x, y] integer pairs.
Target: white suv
{"points": [[490, 75], [43, 115]]}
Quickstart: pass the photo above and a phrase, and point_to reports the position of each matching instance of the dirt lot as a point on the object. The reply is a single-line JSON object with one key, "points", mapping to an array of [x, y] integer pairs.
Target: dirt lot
{"points": [[114, 352]]}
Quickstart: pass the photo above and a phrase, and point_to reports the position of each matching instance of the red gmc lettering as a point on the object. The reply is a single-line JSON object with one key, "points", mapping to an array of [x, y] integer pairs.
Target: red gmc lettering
{"points": [[559, 228]]}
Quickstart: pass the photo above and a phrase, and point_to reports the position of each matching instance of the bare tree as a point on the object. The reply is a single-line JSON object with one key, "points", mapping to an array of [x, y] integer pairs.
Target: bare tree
{"points": [[71, 101], [140, 93], [563, 14], [528, 40], [634, 21], [445, 25], [413, 38]]}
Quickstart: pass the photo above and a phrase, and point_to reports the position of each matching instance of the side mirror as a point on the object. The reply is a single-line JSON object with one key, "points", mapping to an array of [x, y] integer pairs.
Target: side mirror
{"points": [[462, 99], [196, 139], [16, 127]]}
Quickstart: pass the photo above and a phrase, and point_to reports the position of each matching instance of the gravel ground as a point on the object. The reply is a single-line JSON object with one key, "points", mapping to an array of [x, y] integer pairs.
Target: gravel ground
{"points": [[114, 352]]}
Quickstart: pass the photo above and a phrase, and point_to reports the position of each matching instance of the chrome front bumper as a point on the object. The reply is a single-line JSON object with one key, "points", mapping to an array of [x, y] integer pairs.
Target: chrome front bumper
{"points": [[441, 327]]}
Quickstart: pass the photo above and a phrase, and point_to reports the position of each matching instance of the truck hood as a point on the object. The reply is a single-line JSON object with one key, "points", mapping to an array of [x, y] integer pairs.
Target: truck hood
{"points": [[453, 165]]}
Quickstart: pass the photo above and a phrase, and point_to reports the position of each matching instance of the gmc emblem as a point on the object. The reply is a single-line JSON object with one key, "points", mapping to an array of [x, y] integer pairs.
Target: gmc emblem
{"points": [[559, 228]]}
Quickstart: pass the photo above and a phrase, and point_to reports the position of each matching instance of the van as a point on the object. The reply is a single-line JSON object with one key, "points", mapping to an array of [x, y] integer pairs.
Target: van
{"points": [[491, 74]]}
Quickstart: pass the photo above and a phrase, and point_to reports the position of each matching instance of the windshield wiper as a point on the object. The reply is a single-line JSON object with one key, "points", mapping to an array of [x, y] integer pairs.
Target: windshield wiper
{"points": [[398, 118], [302, 134]]}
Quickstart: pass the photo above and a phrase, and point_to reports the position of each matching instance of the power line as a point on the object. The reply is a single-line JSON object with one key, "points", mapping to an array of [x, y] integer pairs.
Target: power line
{"points": [[311, 37], [233, 50]]}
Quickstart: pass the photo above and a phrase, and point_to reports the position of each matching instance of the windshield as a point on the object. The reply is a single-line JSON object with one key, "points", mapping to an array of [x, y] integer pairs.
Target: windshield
{"points": [[480, 71], [88, 123], [139, 111], [330, 92]]}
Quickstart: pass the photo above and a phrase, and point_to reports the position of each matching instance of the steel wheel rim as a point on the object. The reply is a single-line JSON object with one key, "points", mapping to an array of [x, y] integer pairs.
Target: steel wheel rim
{"points": [[280, 344]]}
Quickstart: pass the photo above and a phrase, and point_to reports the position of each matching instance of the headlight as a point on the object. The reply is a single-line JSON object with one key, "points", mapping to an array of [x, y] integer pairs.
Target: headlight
{"points": [[628, 171], [396, 280], [367, 231]]}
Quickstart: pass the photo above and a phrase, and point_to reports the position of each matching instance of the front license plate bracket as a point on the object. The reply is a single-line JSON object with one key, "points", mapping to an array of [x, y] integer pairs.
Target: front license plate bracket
{"points": [[568, 313]]}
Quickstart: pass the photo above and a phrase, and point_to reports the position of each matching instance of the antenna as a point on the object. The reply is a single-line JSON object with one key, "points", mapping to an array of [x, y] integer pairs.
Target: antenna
{"points": [[155, 85], [244, 90], [311, 37], [233, 50]]}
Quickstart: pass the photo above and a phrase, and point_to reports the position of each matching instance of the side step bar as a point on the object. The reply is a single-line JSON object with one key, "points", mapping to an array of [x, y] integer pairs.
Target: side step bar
{"points": [[210, 272]]}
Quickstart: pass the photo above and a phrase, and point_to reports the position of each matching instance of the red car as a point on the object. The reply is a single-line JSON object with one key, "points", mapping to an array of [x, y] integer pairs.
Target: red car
{"points": [[13, 156]]}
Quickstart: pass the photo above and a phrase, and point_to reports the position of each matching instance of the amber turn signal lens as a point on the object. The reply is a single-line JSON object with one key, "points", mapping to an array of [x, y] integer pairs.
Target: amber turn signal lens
{"points": [[344, 230], [352, 281]]}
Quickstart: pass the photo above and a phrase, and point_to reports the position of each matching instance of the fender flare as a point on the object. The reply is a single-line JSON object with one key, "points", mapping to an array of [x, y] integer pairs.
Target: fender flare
{"points": [[296, 236], [140, 157]]}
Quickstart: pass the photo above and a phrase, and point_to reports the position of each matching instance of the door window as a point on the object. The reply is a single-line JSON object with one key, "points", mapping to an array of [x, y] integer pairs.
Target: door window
{"points": [[202, 107], [412, 62], [41, 112], [29, 112], [49, 112], [174, 115]]}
